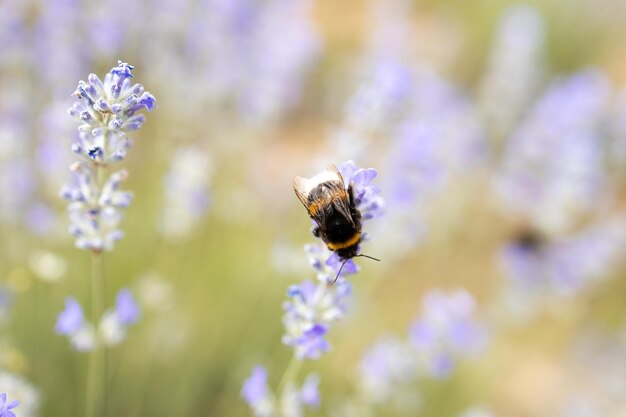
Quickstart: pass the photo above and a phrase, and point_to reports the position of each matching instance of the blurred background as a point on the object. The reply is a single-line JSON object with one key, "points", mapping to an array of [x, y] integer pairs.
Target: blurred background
{"points": [[498, 130]]}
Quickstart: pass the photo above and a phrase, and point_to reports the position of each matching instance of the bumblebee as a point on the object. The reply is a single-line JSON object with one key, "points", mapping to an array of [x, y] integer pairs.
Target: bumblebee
{"points": [[331, 205]]}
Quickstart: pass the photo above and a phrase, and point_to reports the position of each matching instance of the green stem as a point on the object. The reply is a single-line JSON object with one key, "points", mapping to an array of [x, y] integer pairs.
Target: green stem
{"points": [[289, 376], [96, 372]]}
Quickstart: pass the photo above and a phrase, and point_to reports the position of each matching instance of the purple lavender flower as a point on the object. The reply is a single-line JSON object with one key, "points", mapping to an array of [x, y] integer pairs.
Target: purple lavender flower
{"points": [[311, 344], [71, 319], [312, 306], [107, 111], [366, 195], [257, 394], [6, 407]]}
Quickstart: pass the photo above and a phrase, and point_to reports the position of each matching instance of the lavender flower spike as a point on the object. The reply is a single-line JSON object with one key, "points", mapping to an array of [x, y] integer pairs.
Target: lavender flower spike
{"points": [[107, 111]]}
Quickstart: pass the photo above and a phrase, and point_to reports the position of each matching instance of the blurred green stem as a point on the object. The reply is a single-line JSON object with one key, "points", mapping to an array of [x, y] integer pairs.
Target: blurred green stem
{"points": [[289, 376], [96, 384], [96, 372]]}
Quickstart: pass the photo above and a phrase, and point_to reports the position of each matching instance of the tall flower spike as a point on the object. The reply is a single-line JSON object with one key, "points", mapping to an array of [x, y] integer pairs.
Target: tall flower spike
{"points": [[107, 111]]}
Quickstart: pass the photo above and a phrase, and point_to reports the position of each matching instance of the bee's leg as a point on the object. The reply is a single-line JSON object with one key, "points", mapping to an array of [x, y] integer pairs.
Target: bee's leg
{"points": [[316, 231]]}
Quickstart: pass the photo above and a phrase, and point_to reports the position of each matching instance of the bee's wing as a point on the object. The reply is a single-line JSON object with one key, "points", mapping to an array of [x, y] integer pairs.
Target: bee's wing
{"points": [[303, 186], [341, 200], [332, 171], [339, 187]]}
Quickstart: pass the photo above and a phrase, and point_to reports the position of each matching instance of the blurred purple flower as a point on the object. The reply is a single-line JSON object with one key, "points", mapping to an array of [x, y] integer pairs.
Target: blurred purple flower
{"points": [[446, 330], [186, 191], [309, 393], [126, 307], [566, 264], [72, 324], [551, 193], [380, 101], [6, 407], [70, 320], [257, 394], [311, 344], [40, 219], [386, 365], [56, 45], [255, 387], [114, 323]]}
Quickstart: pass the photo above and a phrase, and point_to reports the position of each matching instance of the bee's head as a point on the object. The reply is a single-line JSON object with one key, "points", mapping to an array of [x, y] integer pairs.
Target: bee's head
{"points": [[348, 253]]}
